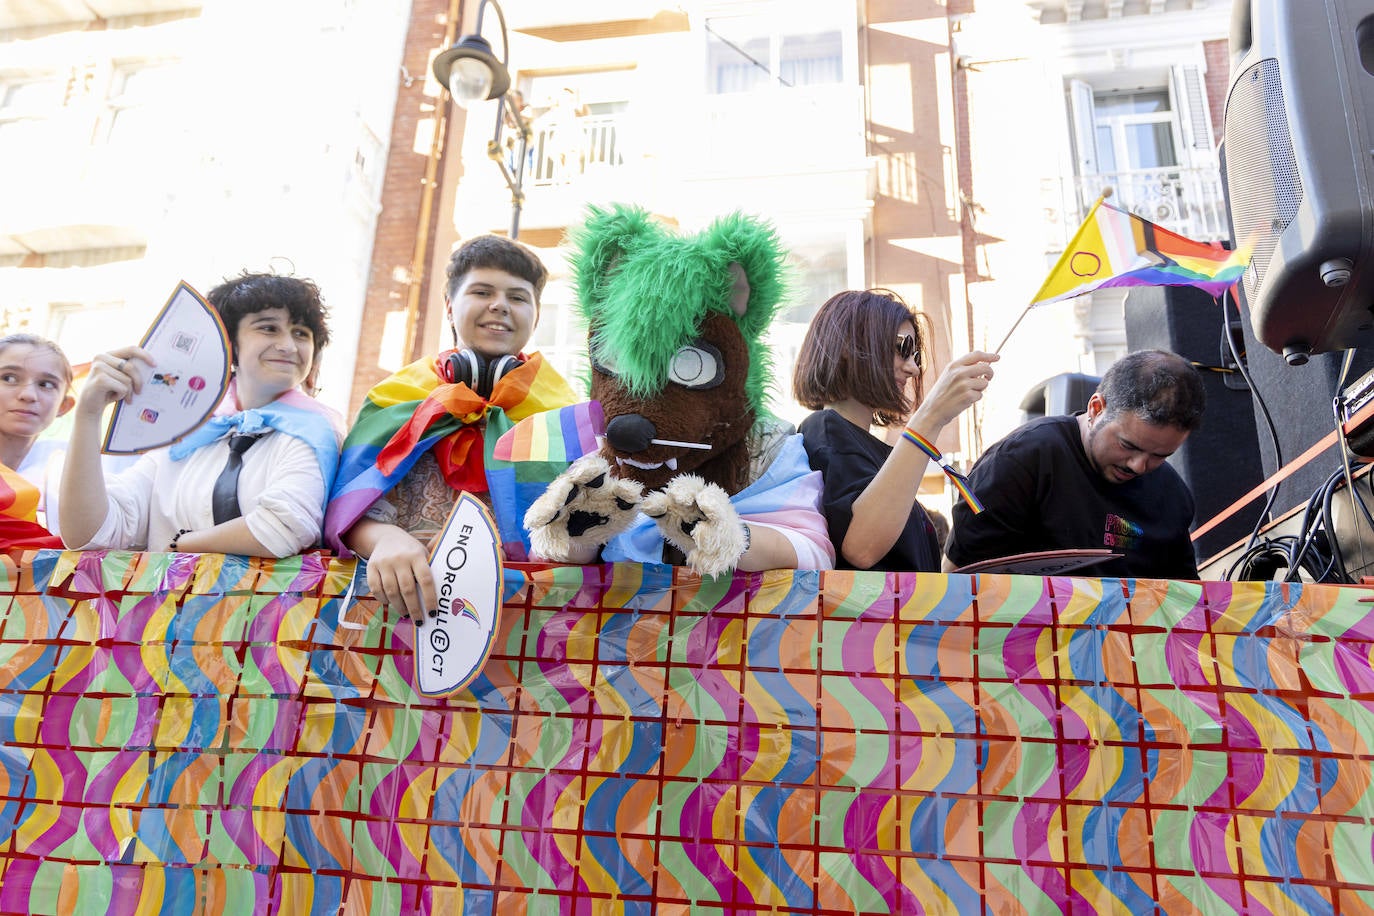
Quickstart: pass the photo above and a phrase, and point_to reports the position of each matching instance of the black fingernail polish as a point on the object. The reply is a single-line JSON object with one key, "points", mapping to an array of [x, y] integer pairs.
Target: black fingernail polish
{"points": [[419, 623], [434, 613]]}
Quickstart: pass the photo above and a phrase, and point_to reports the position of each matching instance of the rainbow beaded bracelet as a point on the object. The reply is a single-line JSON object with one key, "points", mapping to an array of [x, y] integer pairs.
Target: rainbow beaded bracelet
{"points": [[959, 480]]}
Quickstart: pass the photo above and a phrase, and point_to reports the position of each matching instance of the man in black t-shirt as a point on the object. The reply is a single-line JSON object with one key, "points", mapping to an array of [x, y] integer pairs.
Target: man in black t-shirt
{"points": [[1095, 480]]}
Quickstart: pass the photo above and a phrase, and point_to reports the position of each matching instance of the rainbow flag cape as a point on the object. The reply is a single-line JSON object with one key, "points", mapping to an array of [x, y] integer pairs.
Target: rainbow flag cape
{"points": [[524, 459], [19, 514], [1116, 248], [414, 411]]}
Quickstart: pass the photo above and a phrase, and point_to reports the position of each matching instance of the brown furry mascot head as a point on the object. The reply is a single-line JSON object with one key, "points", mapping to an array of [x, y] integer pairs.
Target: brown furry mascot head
{"points": [[679, 365]]}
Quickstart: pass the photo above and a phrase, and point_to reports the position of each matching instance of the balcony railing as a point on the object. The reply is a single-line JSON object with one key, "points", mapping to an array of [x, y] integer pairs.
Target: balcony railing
{"points": [[1186, 201], [739, 135], [560, 153]]}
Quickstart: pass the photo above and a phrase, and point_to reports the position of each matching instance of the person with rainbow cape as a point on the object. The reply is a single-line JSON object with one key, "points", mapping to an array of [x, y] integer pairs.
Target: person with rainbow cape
{"points": [[427, 432]]}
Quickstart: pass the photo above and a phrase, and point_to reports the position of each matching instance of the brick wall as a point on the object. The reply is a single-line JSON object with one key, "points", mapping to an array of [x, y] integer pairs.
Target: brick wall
{"points": [[1218, 80], [403, 219]]}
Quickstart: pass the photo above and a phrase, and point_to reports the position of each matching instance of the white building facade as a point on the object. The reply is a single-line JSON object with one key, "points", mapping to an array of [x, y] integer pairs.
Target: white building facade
{"points": [[150, 141], [946, 153], [1070, 98]]}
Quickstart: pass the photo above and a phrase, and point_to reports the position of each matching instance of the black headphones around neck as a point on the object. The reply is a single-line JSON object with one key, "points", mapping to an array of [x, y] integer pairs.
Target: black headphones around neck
{"points": [[476, 371]]}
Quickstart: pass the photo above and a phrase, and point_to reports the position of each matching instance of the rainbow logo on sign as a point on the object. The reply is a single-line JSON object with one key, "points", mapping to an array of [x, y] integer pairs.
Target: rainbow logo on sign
{"points": [[467, 568], [463, 608]]}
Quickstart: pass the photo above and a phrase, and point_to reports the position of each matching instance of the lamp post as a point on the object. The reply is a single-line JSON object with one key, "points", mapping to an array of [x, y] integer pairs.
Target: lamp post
{"points": [[473, 73]]}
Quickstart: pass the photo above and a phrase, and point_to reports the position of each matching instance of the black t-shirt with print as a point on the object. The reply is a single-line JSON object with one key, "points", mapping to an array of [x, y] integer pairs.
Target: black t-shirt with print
{"points": [[1040, 492]]}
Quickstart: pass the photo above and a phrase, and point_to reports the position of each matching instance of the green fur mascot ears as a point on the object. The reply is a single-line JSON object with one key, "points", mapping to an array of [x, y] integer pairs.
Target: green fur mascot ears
{"points": [[631, 274], [691, 468]]}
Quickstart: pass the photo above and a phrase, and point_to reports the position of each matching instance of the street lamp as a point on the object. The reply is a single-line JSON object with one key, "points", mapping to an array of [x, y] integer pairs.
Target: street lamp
{"points": [[473, 73]]}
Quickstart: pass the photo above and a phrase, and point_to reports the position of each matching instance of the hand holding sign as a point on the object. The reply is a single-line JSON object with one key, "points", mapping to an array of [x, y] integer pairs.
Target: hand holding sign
{"points": [[189, 375], [453, 645]]}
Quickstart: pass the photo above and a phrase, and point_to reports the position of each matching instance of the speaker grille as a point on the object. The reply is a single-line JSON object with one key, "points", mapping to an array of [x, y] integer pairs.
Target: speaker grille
{"points": [[1262, 178]]}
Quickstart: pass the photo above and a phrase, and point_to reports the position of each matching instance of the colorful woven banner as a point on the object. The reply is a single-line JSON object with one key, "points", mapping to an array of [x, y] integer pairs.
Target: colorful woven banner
{"points": [[183, 734]]}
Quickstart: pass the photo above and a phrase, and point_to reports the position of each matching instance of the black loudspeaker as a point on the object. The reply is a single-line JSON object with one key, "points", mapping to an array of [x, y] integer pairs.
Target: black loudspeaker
{"points": [[476, 371], [1298, 171], [1300, 401], [1058, 396], [1219, 460]]}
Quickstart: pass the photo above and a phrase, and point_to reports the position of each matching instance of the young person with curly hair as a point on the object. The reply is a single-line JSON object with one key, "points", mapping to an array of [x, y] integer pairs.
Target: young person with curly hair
{"points": [[175, 498]]}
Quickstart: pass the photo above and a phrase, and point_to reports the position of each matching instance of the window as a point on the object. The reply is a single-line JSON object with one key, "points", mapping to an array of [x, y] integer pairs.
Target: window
{"points": [[577, 121], [810, 60], [82, 329], [30, 130], [26, 104], [820, 270], [747, 53], [1134, 130], [560, 334], [29, 97], [1132, 120], [1148, 136], [133, 126], [818, 260]]}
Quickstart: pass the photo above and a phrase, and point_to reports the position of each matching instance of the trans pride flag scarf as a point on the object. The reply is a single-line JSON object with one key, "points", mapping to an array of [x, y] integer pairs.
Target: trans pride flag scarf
{"points": [[294, 413], [415, 411], [786, 498]]}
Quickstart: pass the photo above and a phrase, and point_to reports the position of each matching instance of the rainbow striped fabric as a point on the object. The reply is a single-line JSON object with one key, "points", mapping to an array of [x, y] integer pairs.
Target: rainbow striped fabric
{"points": [[1114, 248], [415, 410], [19, 513], [18, 497], [561, 435], [184, 734], [959, 480], [524, 458]]}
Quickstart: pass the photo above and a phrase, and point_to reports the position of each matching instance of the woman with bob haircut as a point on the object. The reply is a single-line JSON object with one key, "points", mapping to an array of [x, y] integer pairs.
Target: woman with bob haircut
{"points": [[862, 354]]}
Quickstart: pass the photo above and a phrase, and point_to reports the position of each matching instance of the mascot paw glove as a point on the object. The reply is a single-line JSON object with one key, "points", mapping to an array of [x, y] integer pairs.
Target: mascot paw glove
{"points": [[584, 507], [697, 518]]}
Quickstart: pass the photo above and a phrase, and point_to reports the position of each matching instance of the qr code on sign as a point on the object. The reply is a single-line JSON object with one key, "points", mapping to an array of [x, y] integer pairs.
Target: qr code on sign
{"points": [[184, 343]]}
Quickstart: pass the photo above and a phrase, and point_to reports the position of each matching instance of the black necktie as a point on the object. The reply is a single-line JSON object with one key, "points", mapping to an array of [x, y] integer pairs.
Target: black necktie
{"points": [[224, 500]]}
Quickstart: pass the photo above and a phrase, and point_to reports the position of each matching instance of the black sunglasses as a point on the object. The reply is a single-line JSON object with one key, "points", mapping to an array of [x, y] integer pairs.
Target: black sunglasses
{"points": [[906, 346]]}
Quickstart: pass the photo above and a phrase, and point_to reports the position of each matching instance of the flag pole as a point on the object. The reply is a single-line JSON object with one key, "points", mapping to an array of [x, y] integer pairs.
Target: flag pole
{"points": [[1106, 192], [1024, 312]]}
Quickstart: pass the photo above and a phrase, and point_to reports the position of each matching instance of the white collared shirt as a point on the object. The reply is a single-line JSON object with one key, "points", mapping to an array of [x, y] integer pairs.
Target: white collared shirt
{"points": [[281, 491]]}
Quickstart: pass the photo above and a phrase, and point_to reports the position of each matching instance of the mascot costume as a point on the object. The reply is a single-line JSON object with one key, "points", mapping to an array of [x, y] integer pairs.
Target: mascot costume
{"points": [[689, 462]]}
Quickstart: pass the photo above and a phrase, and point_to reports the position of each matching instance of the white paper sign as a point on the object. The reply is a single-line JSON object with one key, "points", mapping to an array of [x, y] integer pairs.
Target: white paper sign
{"points": [[191, 347], [451, 648]]}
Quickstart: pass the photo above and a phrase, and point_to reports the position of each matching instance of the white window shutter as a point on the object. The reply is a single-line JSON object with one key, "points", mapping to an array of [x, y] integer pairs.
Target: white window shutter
{"points": [[1082, 126], [1190, 101]]}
